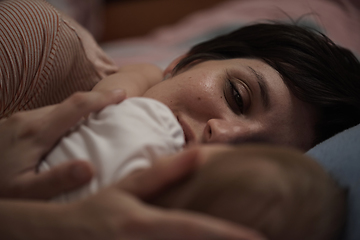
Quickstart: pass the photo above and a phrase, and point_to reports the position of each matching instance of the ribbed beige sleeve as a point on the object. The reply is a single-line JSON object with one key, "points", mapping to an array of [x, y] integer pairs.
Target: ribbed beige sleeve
{"points": [[42, 57]]}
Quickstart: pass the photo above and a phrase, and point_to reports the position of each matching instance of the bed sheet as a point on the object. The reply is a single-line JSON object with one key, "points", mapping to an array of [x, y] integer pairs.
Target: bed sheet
{"points": [[339, 19]]}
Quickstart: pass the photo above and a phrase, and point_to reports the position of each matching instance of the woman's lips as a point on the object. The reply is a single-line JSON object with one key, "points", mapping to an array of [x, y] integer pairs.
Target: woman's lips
{"points": [[189, 134]]}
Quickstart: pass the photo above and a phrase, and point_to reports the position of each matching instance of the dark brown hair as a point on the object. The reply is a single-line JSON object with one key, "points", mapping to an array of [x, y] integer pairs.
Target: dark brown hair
{"points": [[316, 70]]}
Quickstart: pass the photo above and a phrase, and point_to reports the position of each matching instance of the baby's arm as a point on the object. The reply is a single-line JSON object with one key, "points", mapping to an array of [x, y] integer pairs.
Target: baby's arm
{"points": [[135, 79]]}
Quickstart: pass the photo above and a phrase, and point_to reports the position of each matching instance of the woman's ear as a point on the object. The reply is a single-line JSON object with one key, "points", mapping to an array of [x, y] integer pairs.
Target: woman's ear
{"points": [[172, 65]]}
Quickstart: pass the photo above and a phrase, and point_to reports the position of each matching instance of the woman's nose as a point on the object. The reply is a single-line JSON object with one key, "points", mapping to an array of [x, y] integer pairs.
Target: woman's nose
{"points": [[221, 131]]}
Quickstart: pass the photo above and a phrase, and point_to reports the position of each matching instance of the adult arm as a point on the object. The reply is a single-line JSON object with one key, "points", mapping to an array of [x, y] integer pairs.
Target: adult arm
{"points": [[26, 136]]}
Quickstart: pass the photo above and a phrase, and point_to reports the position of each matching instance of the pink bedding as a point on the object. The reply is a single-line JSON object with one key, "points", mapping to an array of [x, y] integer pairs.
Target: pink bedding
{"points": [[339, 19]]}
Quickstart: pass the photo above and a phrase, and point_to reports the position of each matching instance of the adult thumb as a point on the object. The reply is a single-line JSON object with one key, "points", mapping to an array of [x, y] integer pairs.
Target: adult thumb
{"points": [[165, 171]]}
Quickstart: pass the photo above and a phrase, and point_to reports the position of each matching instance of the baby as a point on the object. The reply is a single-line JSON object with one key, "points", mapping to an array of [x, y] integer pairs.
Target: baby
{"points": [[279, 192]]}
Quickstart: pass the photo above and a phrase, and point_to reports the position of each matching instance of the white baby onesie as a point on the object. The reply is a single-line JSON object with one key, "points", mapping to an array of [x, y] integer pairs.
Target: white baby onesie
{"points": [[118, 140]]}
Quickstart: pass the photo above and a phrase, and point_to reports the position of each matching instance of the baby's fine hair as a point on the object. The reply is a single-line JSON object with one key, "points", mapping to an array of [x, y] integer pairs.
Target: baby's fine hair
{"points": [[316, 70], [279, 192]]}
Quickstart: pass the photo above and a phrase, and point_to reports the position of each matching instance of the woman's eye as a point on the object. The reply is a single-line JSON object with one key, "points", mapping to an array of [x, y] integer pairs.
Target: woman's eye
{"points": [[234, 98], [238, 98]]}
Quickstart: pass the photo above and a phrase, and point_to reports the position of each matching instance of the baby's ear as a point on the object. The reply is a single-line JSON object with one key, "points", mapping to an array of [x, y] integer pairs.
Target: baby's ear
{"points": [[172, 65]]}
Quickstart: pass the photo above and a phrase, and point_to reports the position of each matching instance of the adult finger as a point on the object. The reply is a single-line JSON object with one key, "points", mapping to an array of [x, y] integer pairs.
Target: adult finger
{"points": [[68, 113], [49, 184], [146, 183]]}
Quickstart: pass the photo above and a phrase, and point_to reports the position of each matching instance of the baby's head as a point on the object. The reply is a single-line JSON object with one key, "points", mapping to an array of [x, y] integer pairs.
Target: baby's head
{"points": [[279, 192]]}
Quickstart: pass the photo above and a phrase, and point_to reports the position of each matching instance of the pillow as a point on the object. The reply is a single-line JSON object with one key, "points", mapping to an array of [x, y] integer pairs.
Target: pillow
{"points": [[340, 155]]}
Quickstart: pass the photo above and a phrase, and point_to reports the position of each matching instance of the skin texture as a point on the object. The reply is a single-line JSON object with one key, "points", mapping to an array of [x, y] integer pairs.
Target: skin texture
{"points": [[202, 99]]}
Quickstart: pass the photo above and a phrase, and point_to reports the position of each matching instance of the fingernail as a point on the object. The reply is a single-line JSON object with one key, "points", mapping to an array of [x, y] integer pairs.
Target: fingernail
{"points": [[79, 172]]}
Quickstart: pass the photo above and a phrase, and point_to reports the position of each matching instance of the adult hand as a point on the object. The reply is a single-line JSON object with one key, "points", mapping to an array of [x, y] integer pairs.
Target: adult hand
{"points": [[118, 212], [26, 137]]}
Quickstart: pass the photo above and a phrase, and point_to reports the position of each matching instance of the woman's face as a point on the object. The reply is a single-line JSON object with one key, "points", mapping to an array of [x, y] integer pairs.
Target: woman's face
{"points": [[236, 100]]}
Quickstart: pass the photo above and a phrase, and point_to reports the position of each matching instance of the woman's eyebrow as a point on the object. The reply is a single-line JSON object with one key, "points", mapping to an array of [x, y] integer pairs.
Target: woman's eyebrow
{"points": [[264, 90]]}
